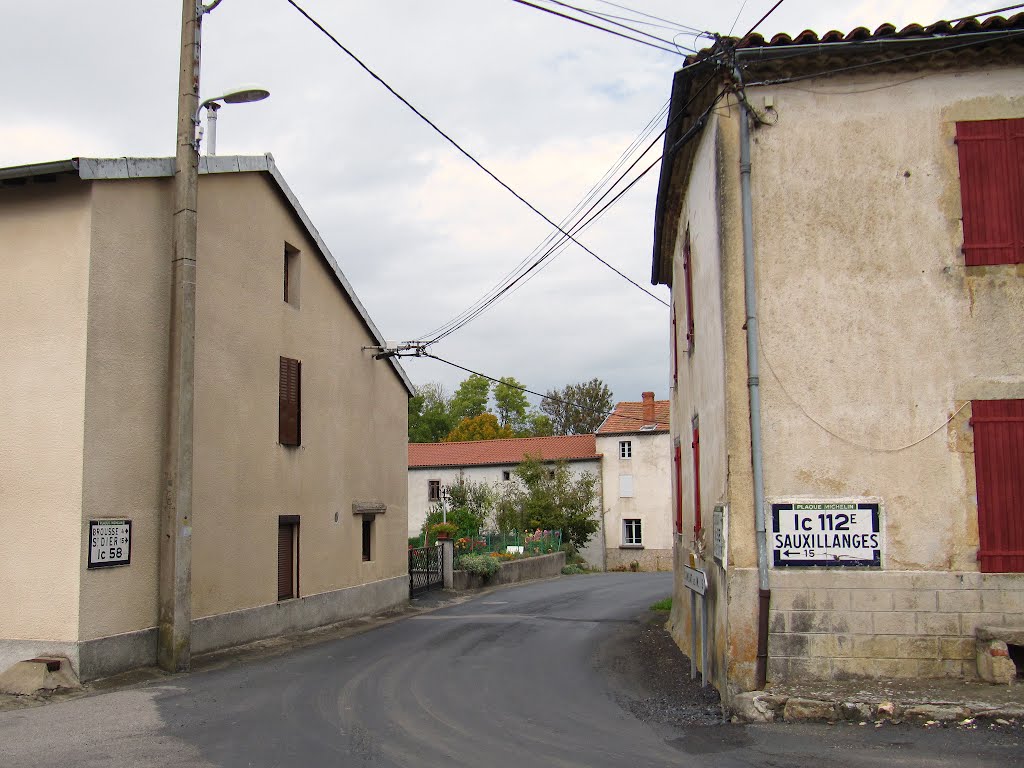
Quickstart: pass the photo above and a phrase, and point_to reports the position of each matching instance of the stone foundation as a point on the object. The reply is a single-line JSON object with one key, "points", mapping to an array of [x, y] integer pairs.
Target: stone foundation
{"points": [[648, 559]]}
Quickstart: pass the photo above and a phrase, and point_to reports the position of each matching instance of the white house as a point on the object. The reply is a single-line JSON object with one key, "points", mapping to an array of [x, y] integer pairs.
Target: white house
{"points": [[636, 474]]}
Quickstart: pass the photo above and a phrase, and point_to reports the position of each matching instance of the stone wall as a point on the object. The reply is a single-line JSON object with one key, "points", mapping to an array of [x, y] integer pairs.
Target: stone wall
{"points": [[649, 559], [513, 571], [862, 624]]}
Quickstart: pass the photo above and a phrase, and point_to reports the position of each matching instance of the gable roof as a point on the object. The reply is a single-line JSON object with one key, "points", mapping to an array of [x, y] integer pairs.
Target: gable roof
{"points": [[98, 169], [628, 418], [508, 451], [943, 45]]}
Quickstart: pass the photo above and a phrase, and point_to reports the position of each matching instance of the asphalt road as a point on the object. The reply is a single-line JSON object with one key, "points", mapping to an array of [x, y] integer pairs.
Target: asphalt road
{"points": [[535, 675]]}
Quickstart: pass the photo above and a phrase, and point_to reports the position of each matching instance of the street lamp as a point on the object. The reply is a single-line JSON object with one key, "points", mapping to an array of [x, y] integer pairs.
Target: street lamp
{"points": [[240, 95]]}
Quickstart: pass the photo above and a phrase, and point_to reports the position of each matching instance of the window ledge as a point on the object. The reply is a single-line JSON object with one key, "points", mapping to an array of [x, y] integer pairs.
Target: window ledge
{"points": [[631, 546]]}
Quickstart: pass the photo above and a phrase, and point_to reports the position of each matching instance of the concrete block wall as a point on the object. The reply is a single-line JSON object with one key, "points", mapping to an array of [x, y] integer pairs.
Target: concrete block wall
{"points": [[830, 624], [649, 559]]}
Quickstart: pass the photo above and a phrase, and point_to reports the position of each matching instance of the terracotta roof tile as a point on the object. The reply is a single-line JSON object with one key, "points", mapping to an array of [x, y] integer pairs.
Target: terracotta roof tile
{"points": [[509, 451], [629, 417]]}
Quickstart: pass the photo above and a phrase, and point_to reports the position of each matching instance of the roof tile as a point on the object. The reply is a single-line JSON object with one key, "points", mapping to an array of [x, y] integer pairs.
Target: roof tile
{"points": [[629, 417], [508, 451]]}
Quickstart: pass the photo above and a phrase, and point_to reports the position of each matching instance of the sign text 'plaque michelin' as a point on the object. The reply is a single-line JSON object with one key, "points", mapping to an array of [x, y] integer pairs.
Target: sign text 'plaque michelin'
{"points": [[825, 534], [695, 580], [110, 543]]}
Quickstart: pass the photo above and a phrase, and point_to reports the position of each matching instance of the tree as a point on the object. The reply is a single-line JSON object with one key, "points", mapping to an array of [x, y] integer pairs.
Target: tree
{"points": [[429, 417], [511, 403], [538, 425], [470, 399], [549, 500], [578, 409], [482, 427], [466, 504]]}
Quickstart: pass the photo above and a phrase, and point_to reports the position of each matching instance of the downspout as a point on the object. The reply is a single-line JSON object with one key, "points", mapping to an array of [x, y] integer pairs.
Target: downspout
{"points": [[754, 388]]}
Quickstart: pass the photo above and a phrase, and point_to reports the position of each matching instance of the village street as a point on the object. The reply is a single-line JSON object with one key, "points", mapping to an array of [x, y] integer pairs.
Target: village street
{"points": [[559, 672]]}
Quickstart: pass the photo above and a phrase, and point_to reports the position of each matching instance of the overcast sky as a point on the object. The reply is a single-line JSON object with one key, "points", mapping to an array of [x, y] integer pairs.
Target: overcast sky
{"points": [[546, 104]]}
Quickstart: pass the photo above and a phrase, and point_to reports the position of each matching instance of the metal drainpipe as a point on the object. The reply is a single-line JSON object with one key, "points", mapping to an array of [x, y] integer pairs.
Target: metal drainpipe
{"points": [[754, 388]]}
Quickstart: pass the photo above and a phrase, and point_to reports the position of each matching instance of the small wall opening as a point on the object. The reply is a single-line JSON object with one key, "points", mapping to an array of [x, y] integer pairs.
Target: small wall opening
{"points": [[1017, 657]]}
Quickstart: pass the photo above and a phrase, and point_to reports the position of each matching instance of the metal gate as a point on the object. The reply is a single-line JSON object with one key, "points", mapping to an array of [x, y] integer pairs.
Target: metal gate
{"points": [[425, 570]]}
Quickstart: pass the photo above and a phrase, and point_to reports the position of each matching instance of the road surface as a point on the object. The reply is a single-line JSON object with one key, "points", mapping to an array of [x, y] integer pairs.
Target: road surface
{"points": [[544, 674]]}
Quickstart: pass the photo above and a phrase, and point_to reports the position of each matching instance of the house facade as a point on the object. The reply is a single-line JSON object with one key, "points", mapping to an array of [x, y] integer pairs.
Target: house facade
{"points": [[434, 466], [841, 219], [298, 482], [636, 473]]}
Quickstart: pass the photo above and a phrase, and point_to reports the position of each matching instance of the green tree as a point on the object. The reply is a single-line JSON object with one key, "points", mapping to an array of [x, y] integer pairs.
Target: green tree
{"points": [[511, 403], [429, 416], [538, 425], [540, 497], [465, 503], [482, 427], [578, 409], [470, 399]]}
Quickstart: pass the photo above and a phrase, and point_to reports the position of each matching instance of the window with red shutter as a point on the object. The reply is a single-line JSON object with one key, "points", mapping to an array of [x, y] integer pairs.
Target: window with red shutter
{"points": [[678, 460], [698, 524], [289, 426], [688, 276], [999, 472], [991, 154]]}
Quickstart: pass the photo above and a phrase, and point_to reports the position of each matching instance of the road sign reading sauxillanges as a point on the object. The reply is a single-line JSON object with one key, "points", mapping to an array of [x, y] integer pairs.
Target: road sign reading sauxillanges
{"points": [[826, 534]]}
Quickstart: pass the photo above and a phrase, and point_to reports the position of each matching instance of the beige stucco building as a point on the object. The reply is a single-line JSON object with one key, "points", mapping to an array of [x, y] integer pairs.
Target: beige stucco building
{"points": [[636, 474], [882, 345], [298, 521]]}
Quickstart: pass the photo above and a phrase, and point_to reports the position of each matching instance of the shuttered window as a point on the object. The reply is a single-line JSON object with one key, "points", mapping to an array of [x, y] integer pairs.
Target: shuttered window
{"points": [[688, 275], [991, 156], [697, 522], [678, 461], [289, 427], [287, 557], [367, 538], [999, 471]]}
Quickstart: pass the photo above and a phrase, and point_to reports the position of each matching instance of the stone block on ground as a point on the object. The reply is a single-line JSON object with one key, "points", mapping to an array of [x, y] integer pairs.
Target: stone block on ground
{"points": [[45, 674], [994, 662], [941, 713], [756, 706], [797, 709]]}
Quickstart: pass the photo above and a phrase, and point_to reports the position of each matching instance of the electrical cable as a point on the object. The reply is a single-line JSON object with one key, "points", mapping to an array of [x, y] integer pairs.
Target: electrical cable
{"points": [[676, 24], [987, 13], [608, 19], [738, 14], [594, 26], [463, 151], [759, 21], [587, 409]]}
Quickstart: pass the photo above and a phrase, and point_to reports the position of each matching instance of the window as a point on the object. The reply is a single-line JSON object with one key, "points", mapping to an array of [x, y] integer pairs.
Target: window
{"points": [[287, 557], [999, 470], [688, 278], [678, 463], [291, 276], [625, 486], [506, 474], [289, 414], [433, 490], [631, 533], [625, 449], [991, 154], [551, 474], [697, 523], [367, 537]]}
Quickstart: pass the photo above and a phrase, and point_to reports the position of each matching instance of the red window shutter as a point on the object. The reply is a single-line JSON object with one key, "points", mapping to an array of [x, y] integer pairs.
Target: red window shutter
{"points": [[688, 275], [697, 523], [999, 471], [679, 487], [991, 154], [289, 425], [675, 349]]}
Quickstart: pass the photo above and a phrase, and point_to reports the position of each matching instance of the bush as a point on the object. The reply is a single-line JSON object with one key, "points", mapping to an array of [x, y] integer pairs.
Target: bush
{"points": [[481, 565], [442, 529], [572, 569], [663, 605]]}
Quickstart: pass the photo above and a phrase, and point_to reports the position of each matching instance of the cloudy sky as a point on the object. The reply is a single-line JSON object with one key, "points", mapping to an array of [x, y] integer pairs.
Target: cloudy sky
{"points": [[547, 105]]}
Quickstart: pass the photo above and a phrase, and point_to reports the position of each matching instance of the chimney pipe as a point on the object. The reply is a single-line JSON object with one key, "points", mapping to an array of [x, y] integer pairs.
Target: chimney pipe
{"points": [[649, 408]]}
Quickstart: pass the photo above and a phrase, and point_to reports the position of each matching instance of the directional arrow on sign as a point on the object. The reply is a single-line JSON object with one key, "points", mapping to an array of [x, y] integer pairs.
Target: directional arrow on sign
{"points": [[787, 553]]}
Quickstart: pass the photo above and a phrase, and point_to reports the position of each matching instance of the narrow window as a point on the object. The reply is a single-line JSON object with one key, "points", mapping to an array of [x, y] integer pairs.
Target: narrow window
{"points": [[632, 535], [625, 449], [675, 347], [551, 474], [433, 490], [287, 557], [367, 537], [678, 462], [289, 413], [625, 486], [999, 470], [291, 276], [991, 154], [506, 474], [688, 277]]}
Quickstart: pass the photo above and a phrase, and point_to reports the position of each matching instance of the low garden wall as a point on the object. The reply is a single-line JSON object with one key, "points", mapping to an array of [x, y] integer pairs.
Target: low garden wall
{"points": [[513, 571]]}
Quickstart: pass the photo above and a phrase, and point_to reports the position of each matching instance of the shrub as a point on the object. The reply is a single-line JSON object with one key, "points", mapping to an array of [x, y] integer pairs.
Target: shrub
{"points": [[446, 529], [572, 569], [663, 605], [481, 565]]}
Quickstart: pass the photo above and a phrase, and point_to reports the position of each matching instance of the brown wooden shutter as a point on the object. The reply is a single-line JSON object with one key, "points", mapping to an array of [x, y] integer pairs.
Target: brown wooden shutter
{"points": [[285, 560], [697, 522], [999, 470], [991, 154], [678, 462], [289, 426], [688, 275]]}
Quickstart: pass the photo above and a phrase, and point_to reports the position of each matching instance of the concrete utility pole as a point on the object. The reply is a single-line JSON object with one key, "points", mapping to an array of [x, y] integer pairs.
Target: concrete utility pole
{"points": [[174, 649]]}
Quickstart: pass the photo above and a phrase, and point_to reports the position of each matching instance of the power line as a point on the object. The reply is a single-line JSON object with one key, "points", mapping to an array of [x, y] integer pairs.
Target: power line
{"points": [[758, 24], [595, 26], [676, 24], [987, 13], [463, 151], [609, 19], [588, 409]]}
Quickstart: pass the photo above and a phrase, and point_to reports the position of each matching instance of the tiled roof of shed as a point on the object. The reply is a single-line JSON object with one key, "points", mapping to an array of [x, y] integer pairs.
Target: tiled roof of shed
{"points": [[629, 417], [508, 451]]}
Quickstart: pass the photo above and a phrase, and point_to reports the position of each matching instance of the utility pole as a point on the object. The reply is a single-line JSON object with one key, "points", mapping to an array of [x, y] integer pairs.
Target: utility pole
{"points": [[174, 648]]}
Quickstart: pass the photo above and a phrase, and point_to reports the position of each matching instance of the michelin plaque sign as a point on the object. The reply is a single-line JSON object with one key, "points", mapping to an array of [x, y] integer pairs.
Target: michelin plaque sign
{"points": [[110, 543], [826, 534]]}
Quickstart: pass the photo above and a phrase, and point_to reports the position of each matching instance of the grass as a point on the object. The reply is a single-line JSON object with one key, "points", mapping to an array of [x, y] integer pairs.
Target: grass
{"points": [[663, 605]]}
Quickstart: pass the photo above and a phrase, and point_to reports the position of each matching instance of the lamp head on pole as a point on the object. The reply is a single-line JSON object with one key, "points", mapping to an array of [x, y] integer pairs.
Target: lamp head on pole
{"points": [[243, 94]]}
